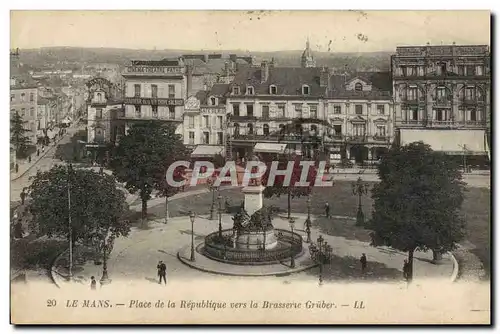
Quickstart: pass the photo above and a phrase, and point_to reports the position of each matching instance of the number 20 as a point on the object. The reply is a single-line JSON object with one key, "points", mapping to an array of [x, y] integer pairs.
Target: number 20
{"points": [[51, 302]]}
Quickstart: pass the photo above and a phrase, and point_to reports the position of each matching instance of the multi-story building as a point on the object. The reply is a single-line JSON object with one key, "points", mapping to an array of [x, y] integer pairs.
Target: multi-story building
{"points": [[442, 97], [23, 100], [154, 90], [360, 114]]}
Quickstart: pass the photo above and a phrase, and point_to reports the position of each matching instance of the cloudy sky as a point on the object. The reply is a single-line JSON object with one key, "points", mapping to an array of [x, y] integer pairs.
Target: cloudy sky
{"points": [[340, 31]]}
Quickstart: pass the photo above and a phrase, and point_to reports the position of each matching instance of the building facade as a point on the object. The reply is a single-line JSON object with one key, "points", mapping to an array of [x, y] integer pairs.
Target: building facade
{"points": [[23, 100], [442, 97]]}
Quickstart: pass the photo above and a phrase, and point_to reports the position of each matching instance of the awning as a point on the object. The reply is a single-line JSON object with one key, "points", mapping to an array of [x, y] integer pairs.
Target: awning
{"points": [[269, 148], [455, 142], [206, 151]]}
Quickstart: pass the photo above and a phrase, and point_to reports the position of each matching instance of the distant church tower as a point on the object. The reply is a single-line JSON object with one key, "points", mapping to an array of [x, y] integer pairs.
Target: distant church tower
{"points": [[307, 59]]}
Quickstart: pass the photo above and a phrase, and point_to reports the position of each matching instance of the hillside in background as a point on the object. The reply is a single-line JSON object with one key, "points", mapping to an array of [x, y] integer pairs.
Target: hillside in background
{"points": [[74, 57]]}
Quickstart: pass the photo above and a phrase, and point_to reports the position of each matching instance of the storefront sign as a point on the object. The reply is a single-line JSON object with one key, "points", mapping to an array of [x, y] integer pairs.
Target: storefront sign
{"points": [[154, 102], [213, 110], [155, 69]]}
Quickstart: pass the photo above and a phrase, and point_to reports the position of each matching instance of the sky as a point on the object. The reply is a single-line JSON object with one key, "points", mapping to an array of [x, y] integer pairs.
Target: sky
{"points": [[334, 31]]}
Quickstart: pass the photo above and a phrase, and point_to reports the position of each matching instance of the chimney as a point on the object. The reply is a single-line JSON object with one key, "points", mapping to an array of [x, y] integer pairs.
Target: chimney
{"points": [[189, 80], [273, 62], [324, 77], [264, 71]]}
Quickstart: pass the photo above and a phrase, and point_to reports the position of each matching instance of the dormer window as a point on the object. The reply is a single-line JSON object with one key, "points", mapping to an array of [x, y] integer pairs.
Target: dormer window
{"points": [[273, 90], [249, 90], [358, 87], [305, 90], [213, 101], [236, 90]]}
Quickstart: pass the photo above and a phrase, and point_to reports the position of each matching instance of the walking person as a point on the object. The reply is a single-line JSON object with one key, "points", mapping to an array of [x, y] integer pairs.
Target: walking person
{"points": [[29, 159], [162, 272], [38, 152], [93, 283], [17, 168], [23, 196], [363, 263], [327, 210]]}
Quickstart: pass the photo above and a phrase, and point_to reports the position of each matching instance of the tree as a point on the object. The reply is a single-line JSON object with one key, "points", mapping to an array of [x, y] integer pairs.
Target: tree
{"points": [[142, 158], [417, 202], [96, 206], [18, 133]]}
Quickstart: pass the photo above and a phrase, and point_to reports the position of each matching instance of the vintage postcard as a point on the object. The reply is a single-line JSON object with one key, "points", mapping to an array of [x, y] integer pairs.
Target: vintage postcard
{"points": [[250, 167]]}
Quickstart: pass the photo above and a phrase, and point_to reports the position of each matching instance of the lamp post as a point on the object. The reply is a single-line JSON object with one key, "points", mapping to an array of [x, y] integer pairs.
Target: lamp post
{"points": [[106, 248], [220, 216], [360, 188], [292, 257], [213, 189], [321, 254], [192, 216], [308, 220]]}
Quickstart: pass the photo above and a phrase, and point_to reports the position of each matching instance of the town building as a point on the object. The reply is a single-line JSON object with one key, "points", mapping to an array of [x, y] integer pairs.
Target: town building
{"points": [[23, 100], [360, 115], [442, 97]]}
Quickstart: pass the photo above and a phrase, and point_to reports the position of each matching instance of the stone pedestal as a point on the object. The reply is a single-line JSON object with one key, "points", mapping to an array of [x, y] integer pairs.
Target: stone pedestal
{"points": [[253, 198], [257, 240]]}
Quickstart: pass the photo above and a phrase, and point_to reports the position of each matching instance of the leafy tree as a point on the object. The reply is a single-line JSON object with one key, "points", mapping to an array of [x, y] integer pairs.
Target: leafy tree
{"points": [[142, 158], [417, 202], [18, 135], [97, 206]]}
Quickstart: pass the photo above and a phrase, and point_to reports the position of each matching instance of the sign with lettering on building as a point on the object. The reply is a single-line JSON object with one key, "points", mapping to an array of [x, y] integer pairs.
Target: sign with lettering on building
{"points": [[155, 69], [212, 110], [192, 103], [154, 102]]}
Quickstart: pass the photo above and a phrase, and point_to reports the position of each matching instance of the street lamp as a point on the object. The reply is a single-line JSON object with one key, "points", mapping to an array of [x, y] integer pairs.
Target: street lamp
{"points": [[213, 189], [360, 188], [192, 216], [292, 258], [220, 216], [308, 220], [106, 248], [321, 254]]}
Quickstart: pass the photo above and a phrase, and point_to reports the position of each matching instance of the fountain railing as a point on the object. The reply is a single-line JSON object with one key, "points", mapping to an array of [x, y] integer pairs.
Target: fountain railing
{"points": [[222, 250]]}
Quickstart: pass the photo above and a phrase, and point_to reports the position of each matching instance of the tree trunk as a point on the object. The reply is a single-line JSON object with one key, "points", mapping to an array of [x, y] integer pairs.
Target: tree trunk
{"points": [[144, 213], [166, 209], [437, 256], [410, 265], [289, 204]]}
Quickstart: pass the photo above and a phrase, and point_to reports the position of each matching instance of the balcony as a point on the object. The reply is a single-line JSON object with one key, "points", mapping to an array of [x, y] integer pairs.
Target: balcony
{"points": [[475, 124], [381, 138], [442, 101], [471, 100], [233, 118], [273, 137], [413, 122], [357, 138], [442, 124]]}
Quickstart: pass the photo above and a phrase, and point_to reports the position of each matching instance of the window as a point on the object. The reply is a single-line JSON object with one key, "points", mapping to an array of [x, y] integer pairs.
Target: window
{"points": [[305, 90], [220, 138], [154, 91], [298, 129], [236, 129], [337, 129], [266, 129], [282, 129], [411, 93], [191, 137], [12, 97], [273, 90], [298, 110], [337, 109], [249, 90], [191, 122], [314, 129], [250, 128], [469, 69], [472, 115], [138, 111], [359, 130], [154, 109], [99, 97], [236, 90], [440, 115], [358, 109], [414, 114], [32, 97], [137, 90], [171, 91], [98, 113], [219, 122], [265, 111], [23, 97], [249, 110], [171, 112], [380, 131], [479, 70], [421, 70], [206, 137], [410, 71], [213, 101], [281, 111], [23, 112], [358, 87], [442, 69], [205, 122], [461, 70], [32, 112], [469, 93], [313, 111], [236, 109], [380, 109]]}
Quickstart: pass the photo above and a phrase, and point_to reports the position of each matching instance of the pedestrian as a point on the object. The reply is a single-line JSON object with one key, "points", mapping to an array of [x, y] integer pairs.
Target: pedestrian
{"points": [[38, 152], [43, 148], [23, 196], [162, 272], [29, 159], [101, 170], [327, 210], [17, 167], [93, 283], [406, 270], [363, 262]]}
